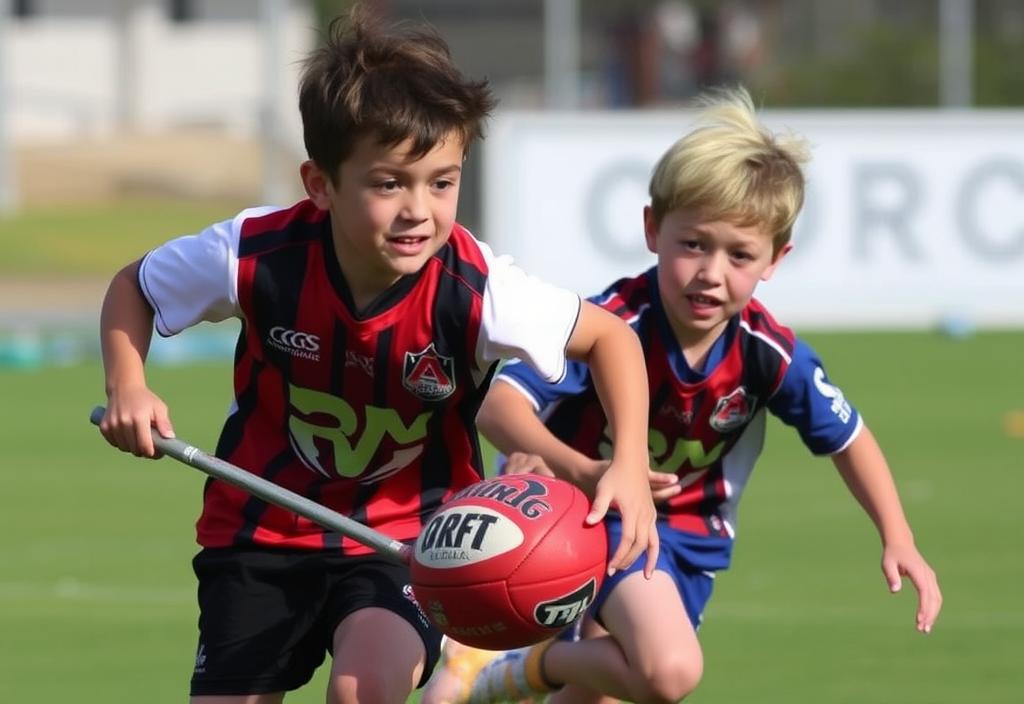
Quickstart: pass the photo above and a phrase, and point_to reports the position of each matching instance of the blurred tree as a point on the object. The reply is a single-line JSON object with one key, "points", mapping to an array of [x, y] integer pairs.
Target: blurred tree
{"points": [[801, 53], [326, 10], [999, 47], [897, 65], [886, 66], [999, 80]]}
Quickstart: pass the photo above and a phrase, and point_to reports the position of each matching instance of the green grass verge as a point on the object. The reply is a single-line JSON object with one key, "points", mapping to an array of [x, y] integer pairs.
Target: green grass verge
{"points": [[96, 240], [97, 595]]}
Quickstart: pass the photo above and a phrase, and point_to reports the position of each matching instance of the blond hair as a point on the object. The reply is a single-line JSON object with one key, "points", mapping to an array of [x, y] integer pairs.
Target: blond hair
{"points": [[732, 168]]}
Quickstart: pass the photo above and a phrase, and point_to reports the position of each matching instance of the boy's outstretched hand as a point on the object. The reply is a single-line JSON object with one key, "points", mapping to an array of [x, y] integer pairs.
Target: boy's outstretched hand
{"points": [[661, 487], [905, 560], [630, 492]]}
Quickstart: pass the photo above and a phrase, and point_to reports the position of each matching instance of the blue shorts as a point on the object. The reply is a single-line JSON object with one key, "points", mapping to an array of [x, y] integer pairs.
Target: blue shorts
{"points": [[694, 584]]}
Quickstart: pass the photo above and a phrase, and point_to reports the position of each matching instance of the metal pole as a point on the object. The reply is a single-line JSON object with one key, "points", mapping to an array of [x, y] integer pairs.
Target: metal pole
{"points": [[392, 549], [561, 54], [956, 53], [8, 187], [273, 16], [126, 60]]}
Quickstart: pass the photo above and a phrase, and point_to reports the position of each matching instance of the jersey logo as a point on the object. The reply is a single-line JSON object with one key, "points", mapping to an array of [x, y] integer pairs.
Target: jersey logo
{"points": [[733, 411], [679, 415], [672, 460], [840, 406], [298, 344], [429, 375], [324, 422], [360, 361]]}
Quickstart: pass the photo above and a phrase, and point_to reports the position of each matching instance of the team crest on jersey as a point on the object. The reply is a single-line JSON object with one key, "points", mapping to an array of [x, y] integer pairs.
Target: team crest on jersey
{"points": [[429, 375], [733, 410]]}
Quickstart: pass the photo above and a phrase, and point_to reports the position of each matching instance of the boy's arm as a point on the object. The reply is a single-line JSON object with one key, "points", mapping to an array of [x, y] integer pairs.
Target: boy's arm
{"points": [[866, 472], [508, 420], [613, 353], [522, 317], [126, 328], [186, 280]]}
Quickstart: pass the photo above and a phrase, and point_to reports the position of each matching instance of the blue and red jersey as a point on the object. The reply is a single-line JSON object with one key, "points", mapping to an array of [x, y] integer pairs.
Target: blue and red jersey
{"points": [[707, 425]]}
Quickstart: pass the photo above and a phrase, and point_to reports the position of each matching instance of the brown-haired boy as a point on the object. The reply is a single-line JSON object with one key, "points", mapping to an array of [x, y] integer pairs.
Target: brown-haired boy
{"points": [[371, 326]]}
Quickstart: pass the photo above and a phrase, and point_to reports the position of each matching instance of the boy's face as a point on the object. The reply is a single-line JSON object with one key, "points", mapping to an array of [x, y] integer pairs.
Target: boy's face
{"points": [[389, 212], [707, 270]]}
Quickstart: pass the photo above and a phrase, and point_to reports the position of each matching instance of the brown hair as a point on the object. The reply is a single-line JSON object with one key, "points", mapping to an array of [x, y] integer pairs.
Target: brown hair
{"points": [[732, 168], [393, 84]]}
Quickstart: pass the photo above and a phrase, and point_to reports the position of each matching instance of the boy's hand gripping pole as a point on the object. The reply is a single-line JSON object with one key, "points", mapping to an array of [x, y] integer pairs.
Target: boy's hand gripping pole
{"points": [[270, 492]]}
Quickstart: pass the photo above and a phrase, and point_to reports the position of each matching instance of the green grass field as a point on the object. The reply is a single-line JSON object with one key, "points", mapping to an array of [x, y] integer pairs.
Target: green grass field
{"points": [[98, 239], [96, 591]]}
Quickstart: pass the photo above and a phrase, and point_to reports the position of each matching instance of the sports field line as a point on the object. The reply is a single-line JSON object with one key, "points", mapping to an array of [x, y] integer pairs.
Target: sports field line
{"points": [[72, 589]]}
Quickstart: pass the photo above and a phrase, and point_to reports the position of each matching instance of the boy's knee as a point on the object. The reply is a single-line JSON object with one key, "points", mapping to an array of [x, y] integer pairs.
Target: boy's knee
{"points": [[670, 679]]}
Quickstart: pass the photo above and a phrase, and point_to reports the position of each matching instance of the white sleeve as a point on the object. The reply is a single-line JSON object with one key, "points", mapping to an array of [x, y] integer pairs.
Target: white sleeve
{"points": [[193, 278], [525, 317]]}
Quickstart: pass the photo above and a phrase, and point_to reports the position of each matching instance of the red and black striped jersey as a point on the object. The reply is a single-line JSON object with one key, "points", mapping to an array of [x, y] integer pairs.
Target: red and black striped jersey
{"points": [[370, 413]]}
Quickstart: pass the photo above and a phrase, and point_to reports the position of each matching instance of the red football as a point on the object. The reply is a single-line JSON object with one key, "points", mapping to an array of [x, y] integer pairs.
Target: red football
{"points": [[509, 561]]}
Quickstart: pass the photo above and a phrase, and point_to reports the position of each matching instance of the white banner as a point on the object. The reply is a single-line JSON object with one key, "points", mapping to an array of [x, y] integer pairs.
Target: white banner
{"points": [[912, 219]]}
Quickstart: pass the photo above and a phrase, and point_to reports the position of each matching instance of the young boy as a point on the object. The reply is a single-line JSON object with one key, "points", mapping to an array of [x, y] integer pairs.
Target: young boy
{"points": [[371, 326], [723, 202]]}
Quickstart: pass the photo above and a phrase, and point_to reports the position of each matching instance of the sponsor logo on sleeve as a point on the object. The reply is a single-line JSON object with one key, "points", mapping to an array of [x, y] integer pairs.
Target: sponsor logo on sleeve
{"points": [[839, 404]]}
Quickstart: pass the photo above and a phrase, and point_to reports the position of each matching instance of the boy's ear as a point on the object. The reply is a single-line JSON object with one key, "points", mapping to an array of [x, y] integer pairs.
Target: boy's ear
{"points": [[776, 260], [650, 230], [316, 184]]}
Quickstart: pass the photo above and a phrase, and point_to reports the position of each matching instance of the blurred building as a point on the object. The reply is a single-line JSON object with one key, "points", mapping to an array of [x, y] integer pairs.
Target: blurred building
{"points": [[88, 67], [93, 66], [631, 53], [194, 99], [78, 71]]}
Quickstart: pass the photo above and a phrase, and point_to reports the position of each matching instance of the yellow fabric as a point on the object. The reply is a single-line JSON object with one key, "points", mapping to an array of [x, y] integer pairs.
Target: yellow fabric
{"points": [[465, 665], [534, 667]]}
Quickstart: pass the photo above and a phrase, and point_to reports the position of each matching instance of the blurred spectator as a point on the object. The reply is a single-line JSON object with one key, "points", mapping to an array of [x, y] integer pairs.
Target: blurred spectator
{"points": [[671, 50]]}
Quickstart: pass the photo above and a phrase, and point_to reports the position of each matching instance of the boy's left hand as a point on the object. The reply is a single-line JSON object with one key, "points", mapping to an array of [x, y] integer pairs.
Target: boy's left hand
{"points": [[900, 560], [631, 494]]}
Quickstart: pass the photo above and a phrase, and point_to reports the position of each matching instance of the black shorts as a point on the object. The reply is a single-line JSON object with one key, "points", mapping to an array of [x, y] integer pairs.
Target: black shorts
{"points": [[267, 617]]}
